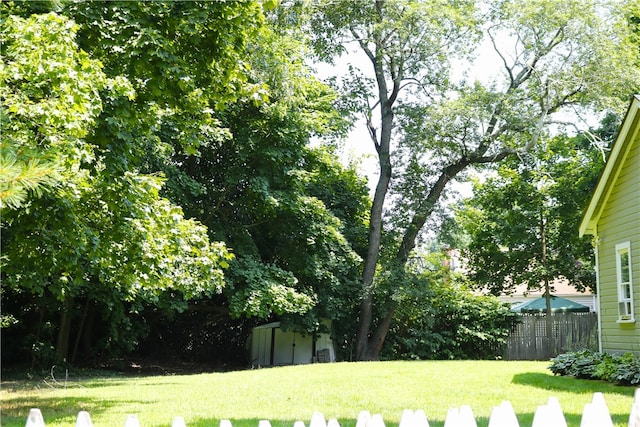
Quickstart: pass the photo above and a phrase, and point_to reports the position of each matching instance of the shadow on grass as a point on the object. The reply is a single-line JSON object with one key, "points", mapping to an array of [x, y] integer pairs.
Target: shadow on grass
{"points": [[523, 419], [54, 409], [88, 383], [253, 422], [51, 416], [576, 386], [570, 384]]}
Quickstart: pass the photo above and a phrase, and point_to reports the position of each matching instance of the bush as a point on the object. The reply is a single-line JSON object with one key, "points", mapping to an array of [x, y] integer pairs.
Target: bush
{"points": [[628, 370], [623, 369], [442, 320]]}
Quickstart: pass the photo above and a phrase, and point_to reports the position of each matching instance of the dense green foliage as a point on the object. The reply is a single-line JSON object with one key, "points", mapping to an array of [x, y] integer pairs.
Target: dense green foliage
{"points": [[147, 146], [433, 115], [521, 222], [623, 369], [439, 318], [102, 243], [49, 99], [168, 176]]}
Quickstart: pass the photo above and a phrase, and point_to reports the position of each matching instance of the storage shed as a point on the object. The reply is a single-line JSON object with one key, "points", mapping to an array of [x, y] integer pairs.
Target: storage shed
{"points": [[271, 346]]}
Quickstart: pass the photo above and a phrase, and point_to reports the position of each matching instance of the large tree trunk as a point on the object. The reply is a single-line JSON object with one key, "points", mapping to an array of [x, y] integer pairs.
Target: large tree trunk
{"points": [[368, 347], [369, 343], [363, 351], [383, 144], [425, 209], [64, 333], [38, 330], [375, 342], [547, 289], [88, 335], [80, 331]]}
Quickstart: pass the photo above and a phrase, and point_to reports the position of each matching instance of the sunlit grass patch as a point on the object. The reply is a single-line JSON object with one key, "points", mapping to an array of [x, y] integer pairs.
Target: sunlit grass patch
{"points": [[340, 390]]}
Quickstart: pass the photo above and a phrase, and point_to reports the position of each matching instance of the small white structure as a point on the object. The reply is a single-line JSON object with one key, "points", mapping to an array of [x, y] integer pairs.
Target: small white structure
{"points": [[271, 346]]}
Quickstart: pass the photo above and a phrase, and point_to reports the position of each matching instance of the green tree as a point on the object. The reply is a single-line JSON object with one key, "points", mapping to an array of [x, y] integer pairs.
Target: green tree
{"points": [[292, 214], [49, 95], [521, 222], [225, 107], [553, 57], [104, 243]]}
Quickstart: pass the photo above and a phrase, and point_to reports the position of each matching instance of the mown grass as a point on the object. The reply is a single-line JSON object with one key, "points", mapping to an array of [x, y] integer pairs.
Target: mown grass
{"points": [[340, 390]]}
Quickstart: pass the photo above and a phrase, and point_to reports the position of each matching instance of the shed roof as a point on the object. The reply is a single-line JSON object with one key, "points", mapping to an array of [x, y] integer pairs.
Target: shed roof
{"points": [[268, 325]]}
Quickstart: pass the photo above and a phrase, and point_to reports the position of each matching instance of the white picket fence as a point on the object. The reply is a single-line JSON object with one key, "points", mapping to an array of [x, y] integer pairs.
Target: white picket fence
{"points": [[595, 414]]}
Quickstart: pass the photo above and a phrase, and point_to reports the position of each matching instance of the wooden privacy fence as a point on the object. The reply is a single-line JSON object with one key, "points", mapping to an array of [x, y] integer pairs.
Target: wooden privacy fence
{"points": [[571, 332], [595, 414]]}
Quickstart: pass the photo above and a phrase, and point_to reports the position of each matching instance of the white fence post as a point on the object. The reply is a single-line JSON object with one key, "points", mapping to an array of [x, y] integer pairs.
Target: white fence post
{"points": [[364, 419], [84, 419], [460, 417], [595, 414], [420, 418], [549, 415], [453, 418], [376, 421], [34, 419], [317, 420], [634, 416], [411, 418], [132, 421], [556, 410], [407, 419], [503, 416], [467, 417]]}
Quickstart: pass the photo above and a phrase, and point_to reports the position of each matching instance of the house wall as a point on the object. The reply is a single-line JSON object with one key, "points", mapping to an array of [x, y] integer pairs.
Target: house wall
{"points": [[620, 222]]}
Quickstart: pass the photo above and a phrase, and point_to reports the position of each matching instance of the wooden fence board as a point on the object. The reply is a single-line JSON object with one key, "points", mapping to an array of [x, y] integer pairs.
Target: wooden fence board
{"points": [[571, 332]]}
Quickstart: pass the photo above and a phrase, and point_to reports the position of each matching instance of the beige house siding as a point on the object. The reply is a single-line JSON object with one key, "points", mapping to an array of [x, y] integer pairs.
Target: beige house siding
{"points": [[560, 288], [619, 223]]}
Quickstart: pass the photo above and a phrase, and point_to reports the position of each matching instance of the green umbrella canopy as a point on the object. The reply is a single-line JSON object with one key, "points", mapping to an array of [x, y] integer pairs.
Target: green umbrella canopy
{"points": [[558, 304]]}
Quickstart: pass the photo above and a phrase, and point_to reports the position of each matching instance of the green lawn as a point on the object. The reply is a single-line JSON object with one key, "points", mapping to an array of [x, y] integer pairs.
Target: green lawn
{"points": [[340, 390]]}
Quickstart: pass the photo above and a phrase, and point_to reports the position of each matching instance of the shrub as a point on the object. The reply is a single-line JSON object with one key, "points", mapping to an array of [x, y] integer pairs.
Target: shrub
{"points": [[628, 370], [442, 320], [623, 369]]}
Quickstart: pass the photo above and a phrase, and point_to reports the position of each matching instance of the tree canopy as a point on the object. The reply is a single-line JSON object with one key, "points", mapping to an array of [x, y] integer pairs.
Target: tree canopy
{"points": [[522, 220], [96, 238], [165, 164], [430, 125], [173, 141]]}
